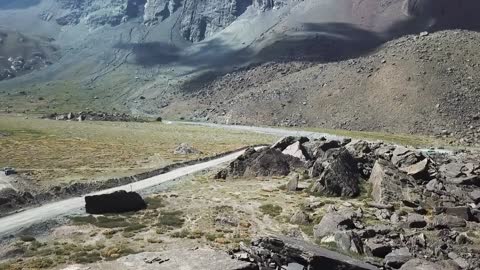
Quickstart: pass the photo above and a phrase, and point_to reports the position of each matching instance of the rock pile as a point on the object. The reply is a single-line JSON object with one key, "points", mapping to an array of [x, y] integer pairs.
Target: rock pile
{"points": [[94, 116], [422, 209], [185, 149]]}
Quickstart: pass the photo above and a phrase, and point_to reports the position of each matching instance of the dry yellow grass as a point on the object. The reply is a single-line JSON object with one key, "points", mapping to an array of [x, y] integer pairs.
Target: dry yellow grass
{"points": [[55, 151]]}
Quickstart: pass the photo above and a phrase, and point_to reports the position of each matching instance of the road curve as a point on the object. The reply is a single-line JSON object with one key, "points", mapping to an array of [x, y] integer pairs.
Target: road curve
{"points": [[16, 222]]}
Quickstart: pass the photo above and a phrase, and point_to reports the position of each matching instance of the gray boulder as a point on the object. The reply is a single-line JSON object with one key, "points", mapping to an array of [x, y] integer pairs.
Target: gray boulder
{"points": [[331, 223], [292, 184], [444, 221], [404, 157], [389, 184], [419, 264], [416, 221], [295, 150], [302, 253], [349, 241], [475, 196], [185, 149], [340, 176], [377, 248], [283, 143], [397, 258], [300, 218]]}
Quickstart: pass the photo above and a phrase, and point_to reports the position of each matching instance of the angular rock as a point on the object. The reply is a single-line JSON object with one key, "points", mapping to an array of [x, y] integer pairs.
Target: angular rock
{"points": [[434, 185], [359, 149], [472, 180], [295, 150], [416, 221], [308, 255], [419, 264], [340, 176], [461, 262], [461, 212], [265, 162], [317, 148], [349, 241], [389, 184], [117, 202], [292, 184], [377, 248], [444, 221], [417, 170], [397, 258], [403, 157], [331, 223], [283, 143], [185, 149], [475, 196], [300, 218], [316, 169]]}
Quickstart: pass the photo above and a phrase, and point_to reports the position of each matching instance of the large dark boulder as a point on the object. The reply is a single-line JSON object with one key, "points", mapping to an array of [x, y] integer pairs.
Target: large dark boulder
{"points": [[264, 162], [117, 202], [340, 176]]}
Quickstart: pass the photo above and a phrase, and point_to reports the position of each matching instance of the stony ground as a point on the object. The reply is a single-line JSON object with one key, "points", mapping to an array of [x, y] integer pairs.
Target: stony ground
{"points": [[388, 205]]}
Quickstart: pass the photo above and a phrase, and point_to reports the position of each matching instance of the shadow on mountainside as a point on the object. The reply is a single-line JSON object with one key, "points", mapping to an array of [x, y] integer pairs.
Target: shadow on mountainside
{"points": [[18, 4], [317, 42]]}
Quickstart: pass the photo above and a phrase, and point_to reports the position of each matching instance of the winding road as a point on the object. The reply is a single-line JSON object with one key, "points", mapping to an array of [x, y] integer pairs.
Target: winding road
{"points": [[16, 222]]}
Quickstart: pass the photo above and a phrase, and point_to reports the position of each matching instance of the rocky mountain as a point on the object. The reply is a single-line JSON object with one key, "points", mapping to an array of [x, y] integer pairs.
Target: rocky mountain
{"points": [[162, 57]]}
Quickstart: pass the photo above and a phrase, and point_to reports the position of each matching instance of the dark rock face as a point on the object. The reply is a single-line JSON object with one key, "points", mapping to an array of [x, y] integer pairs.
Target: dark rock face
{"points": [[284, 251], [340, 176], [265, 162], [199, 19], [117, 202]]}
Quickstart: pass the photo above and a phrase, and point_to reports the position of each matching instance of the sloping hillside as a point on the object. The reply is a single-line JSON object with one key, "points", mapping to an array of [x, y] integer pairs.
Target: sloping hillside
{"points": [[155, 56], [416, 84]]}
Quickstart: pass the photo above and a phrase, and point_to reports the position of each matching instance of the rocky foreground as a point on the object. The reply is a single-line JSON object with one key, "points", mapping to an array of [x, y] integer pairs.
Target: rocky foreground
{"points": [[425, 205], [298, 204]]}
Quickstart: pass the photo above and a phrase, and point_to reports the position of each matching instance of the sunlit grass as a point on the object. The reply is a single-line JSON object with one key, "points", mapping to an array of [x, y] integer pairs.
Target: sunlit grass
{"points": [[58, 151]]}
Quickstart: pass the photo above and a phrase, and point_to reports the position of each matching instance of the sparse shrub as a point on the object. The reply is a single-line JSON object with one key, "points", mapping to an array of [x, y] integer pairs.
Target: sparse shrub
{"points": [[39, 263], [154, 202], [272, 210], [180, 234], [171, 219], [27, 238], [134, 227]]}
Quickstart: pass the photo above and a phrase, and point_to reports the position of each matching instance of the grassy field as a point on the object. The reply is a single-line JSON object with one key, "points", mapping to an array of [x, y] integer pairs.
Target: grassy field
{"points": [[56, 151]]}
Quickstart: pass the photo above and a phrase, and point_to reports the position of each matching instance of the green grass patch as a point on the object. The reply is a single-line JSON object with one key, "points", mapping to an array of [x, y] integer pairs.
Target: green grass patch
{"points": [[184, 233], [102, 221], [171, 219], [155, 202], [27, 238], [272, 210], [134, 227]]}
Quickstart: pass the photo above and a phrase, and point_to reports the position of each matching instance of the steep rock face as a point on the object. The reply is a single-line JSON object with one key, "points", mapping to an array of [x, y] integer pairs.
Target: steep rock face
{"points": [[96, 13], [159, 10], [202, 19]]}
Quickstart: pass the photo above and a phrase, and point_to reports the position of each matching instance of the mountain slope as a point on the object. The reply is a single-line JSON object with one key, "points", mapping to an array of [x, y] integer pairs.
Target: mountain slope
{"points": [[153, 56]]}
